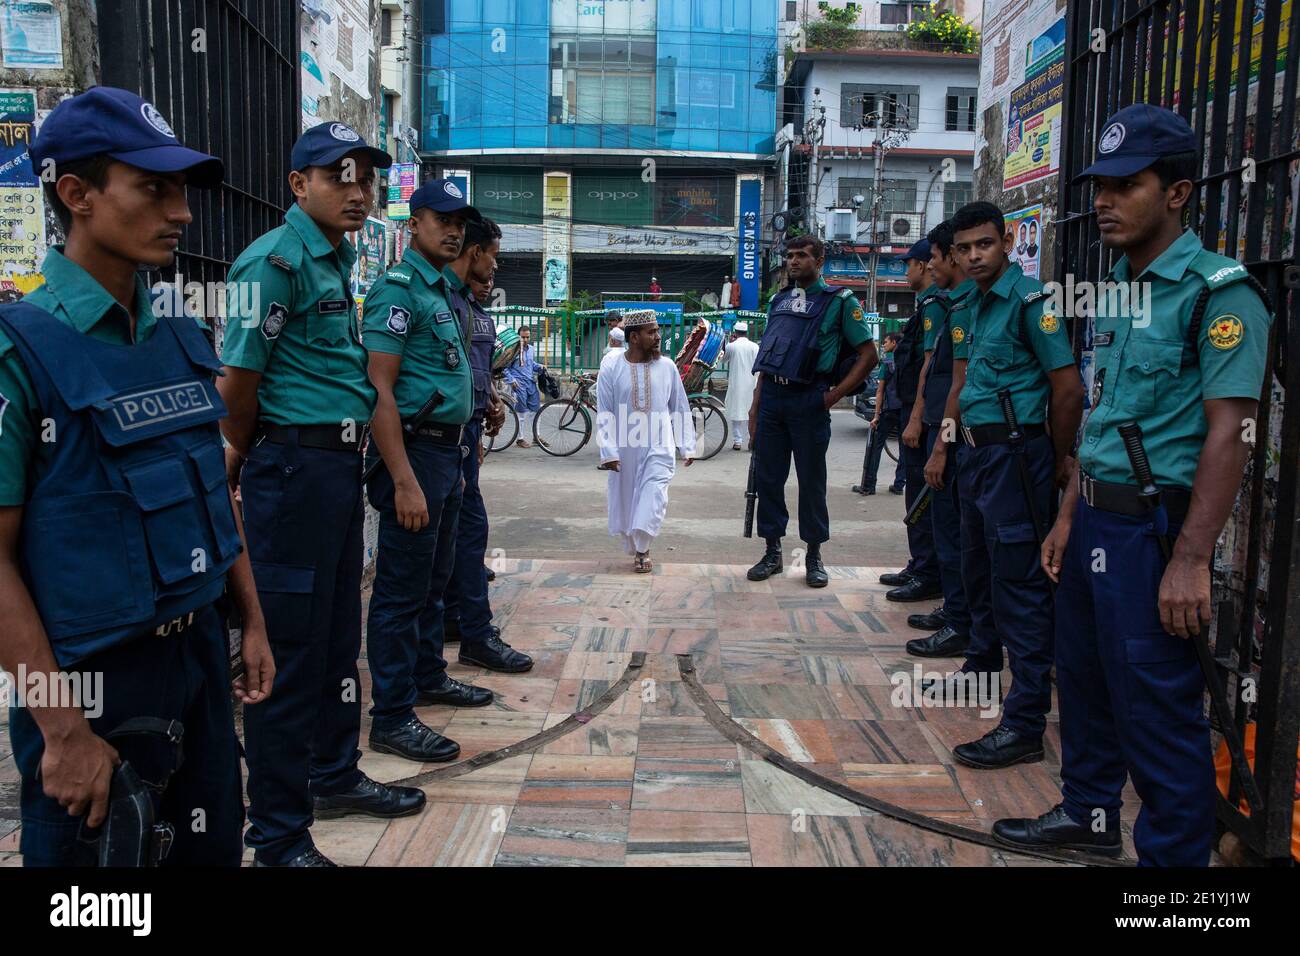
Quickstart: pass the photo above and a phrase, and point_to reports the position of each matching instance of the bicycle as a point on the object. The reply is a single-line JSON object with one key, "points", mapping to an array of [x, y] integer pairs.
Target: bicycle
{"points": [[504, 438], [712, 429], [567, 422]]}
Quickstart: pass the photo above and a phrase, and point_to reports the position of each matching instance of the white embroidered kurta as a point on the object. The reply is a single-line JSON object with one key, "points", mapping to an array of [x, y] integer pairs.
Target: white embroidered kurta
{"points": [[642, 414], [740, 356]]}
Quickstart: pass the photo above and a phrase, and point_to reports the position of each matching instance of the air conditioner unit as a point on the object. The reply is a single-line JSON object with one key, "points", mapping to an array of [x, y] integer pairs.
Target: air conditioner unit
{"points": [[901, 27], [841, 225], [904, 227]]}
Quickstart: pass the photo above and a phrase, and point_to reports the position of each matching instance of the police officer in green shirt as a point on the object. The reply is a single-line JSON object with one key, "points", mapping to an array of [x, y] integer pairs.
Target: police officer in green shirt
{"points": [[1185, 358], [117, 530], [816, 350], [299, 401], [1011, 351], [418, 349]]}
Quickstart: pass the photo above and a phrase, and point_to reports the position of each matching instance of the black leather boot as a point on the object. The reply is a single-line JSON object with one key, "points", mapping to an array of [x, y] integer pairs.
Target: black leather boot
{"points": [[770, 563], [814, 570]]}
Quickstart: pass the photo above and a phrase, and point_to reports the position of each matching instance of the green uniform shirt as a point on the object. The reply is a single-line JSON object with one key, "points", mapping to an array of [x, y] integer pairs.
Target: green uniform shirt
{"points": [[290, 315], [842, 317], [1140, 375], [1011, 343], [933, 325], [408, 312], [72, 296], [931, 317]]}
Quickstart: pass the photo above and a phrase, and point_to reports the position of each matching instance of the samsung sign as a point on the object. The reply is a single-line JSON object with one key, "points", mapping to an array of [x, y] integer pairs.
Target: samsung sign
{"points": [[750, 205]]}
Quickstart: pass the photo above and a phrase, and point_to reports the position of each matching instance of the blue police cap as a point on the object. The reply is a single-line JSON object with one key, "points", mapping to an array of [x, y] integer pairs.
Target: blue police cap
{"points": [[1136, 137], [107, 121], [442, 195], [327, 143], [920, 250]]}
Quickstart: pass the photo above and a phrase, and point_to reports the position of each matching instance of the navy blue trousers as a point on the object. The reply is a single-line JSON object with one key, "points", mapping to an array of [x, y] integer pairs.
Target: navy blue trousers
{"points": [[466, 599], [1009, 594], [1131, 696], [792, 423], [889, 422], [181, 676], [945, 524], [404, 632], [924, 563], [303, 518]]}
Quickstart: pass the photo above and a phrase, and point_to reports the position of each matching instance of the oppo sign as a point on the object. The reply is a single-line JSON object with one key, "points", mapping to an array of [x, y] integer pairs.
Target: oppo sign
{"points": [[508, 195], [603, 195]]}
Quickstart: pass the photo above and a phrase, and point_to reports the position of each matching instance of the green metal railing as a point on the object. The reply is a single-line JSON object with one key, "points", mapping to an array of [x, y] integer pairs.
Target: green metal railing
{"points": [[569, 341]]}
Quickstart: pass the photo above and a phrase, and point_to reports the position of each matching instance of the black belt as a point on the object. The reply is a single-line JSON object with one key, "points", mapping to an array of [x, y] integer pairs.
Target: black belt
{"points": [[177, 625], [821, 384], [978, 436], [328, 437], [451, 435], [1128, 500]]}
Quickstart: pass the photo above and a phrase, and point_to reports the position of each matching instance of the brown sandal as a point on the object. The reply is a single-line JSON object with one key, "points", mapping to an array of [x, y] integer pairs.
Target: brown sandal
{"points": [[642, 565]]}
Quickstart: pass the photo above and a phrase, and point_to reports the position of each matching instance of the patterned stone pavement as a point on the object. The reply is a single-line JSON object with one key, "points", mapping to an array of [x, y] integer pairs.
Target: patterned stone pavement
{"points": [[817, 675]]}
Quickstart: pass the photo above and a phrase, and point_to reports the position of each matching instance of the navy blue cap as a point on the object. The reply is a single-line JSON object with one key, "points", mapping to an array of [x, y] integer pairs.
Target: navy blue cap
{"points": [[327, 143], [442, 195], [106, 120], [1136, 137], [920, 250]]}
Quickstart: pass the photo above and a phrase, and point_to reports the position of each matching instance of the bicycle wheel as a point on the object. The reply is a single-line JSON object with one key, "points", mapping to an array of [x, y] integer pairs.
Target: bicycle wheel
{"points": [[561, 427], [711, 427], [509, 432]]}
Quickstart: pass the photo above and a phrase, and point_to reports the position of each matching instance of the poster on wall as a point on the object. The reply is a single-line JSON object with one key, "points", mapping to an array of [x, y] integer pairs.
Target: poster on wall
{"points": [[402, 181], [1025, 225], [30, 35], [555, 226], [1034, 128], [352, 45], [1019, 38], [22, 207], [369, 241]]}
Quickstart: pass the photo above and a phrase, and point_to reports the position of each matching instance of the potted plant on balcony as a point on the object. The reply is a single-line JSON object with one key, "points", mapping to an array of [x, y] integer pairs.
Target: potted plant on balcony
{"points": [[945, 31]]}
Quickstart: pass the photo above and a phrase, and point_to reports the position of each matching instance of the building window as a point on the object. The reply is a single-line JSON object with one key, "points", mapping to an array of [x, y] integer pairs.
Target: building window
{"points": [[961, 109], [899, 195], [791, 10], [895, 13], [862, 106], [603, 79], [955, 195], [386, 27], [847, 187]]}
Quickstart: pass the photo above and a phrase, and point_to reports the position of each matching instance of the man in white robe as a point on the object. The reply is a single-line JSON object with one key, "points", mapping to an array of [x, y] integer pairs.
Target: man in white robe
{"points": [[740, 353], [642, 416]]}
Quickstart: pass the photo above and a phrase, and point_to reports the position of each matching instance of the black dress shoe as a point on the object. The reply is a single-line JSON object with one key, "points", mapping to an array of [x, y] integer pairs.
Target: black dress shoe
{"points": [[864, 490], [372, 799], [414, 741], [893, 579], [914, 590], [897, 489], [963, 688], [491, 575], [1055, 829], [1000, 747], [453, 693], [928, 622], [944, 642], [767, 566], [312, 857], [450, 630], [815, 572], [494, 654]]}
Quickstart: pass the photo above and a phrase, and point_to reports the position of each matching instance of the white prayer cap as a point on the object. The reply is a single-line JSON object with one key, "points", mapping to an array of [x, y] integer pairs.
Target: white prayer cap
{"points": [[741, 326], [640, 317], [617, 335]]}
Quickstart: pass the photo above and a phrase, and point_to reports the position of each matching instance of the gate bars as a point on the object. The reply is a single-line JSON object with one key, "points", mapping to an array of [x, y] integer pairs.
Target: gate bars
{"points": [[1196, 57], [225, 75]]}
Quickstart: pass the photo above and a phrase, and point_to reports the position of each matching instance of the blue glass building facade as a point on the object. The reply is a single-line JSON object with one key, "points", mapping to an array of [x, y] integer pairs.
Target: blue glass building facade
{"points": [[646, 75]]}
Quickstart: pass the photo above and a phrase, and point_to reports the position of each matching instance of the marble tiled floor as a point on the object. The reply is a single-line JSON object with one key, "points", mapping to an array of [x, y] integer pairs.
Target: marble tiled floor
{"points": [[649, 782]]}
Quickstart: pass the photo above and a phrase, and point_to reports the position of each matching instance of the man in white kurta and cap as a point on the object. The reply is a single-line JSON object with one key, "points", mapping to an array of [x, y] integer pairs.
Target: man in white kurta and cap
{"points": [[740, 353], [642, 416]]}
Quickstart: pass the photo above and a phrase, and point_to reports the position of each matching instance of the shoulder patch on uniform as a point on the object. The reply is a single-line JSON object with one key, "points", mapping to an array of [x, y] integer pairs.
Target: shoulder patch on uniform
{"points": [[273, 324], [857, 315], [1226, 332], [1035, 296], [399, 320], [958, 335], [281, 262], [404, 278], [1048, 323], [844, 294], [1217, 271]]}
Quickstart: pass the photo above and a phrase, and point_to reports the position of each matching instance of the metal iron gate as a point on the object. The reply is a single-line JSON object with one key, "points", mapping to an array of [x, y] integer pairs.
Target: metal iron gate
{"points": [[225, 74], [1190, 55]]}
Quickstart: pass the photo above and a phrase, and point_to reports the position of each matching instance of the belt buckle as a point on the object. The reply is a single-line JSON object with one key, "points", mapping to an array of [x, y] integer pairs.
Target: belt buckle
{"points": [[175, 627], [781, 380], [967, 436]]}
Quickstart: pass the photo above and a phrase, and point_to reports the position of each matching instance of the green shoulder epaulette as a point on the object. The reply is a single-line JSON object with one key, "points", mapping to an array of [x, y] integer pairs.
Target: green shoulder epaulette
{"points": [[399, 274]]}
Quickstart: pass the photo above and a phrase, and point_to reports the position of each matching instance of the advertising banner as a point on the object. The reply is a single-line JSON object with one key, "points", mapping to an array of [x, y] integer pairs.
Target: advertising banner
{"points": [[1034, 128], [555, 226], [751, 194], [402, 181], [1026, 226], [696, 201]]}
